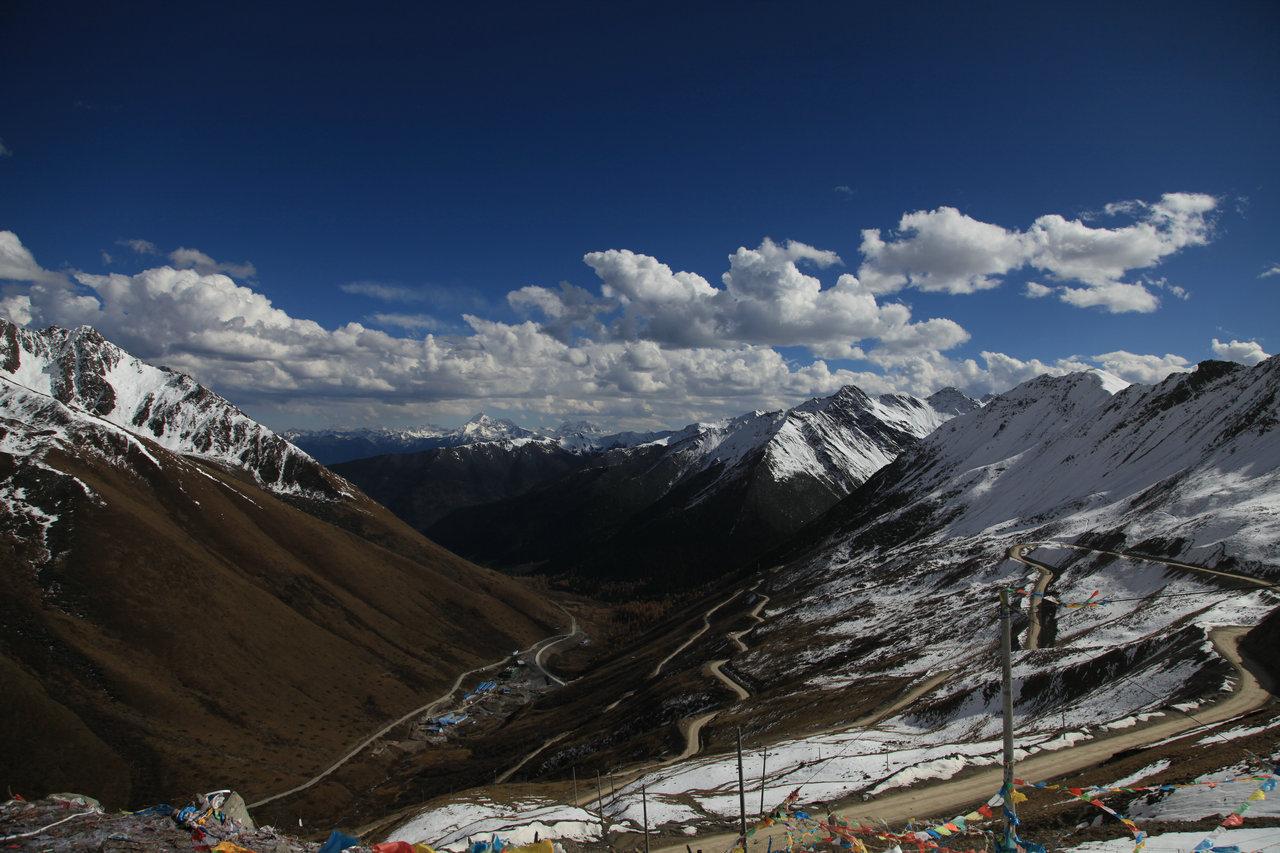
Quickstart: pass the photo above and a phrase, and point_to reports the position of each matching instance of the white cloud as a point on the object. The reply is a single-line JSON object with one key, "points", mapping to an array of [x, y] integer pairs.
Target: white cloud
{"points": [[947, 251], [195, 259], [385, 292], [18, 264], [142, 247], [231, 337], [1116, 297], [1245, 352], [1035, 290], [407, 321], [766, 301], [1275, 270], [651, 347], [1144, 369], [940, 250], [571, 308], [1071, 251], [4, 151]]}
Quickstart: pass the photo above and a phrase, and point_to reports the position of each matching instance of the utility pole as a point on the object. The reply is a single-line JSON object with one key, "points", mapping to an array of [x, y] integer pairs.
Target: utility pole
{"points": [[1006, 692], [644, 817], [600, 809], [742, 796]]}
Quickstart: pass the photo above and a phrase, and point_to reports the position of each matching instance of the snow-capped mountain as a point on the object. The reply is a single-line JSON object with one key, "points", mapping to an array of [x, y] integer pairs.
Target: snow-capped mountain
{"points": [[41, 371], [899, 582], [1189, 467], [864, 658], [187, 597], [335, 446], [673, 507]]}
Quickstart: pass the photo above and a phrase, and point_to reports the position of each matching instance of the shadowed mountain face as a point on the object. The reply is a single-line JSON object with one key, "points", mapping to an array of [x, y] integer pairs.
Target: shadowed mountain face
{"points": [[660, 516], [190, 601]]}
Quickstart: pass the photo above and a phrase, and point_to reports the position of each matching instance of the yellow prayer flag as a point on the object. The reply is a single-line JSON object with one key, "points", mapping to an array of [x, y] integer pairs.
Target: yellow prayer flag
{"points": [[1258, 795], [1019, 797]]}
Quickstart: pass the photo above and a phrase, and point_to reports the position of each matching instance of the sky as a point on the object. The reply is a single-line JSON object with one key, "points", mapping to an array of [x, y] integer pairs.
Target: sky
{"points": [[640, 214]]}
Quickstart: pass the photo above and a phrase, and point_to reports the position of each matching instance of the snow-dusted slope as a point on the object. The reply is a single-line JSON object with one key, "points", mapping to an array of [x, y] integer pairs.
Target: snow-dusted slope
{"points": [[69, 375], [838, 441], [871, 652], [1193, 461], [900, 583]]}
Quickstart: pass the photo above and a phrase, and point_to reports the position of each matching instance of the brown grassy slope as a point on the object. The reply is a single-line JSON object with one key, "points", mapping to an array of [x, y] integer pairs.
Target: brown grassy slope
{"points": [[194, 632]]}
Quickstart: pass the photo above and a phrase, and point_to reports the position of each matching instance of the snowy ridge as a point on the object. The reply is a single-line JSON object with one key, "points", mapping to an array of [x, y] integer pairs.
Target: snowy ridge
{"points": [[1187, 459], [838, 440], [92, 378]]}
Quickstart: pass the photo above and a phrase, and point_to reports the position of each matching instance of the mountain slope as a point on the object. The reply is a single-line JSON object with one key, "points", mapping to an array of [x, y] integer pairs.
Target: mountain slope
{"points": [[668, 513], [175, 619], [899, 580], [872, 642]]}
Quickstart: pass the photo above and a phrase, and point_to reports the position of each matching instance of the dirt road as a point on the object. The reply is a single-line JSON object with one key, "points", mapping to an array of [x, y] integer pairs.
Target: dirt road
{"points": [[946, 799], [430, 708]]}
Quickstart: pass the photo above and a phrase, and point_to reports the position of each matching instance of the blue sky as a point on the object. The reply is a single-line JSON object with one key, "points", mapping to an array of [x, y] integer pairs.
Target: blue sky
{"points": [[640, 214]]}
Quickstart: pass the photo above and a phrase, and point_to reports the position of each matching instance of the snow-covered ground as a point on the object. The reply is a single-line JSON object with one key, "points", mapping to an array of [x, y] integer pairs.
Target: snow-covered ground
{"points": [[824, 768], [1245, 840]]}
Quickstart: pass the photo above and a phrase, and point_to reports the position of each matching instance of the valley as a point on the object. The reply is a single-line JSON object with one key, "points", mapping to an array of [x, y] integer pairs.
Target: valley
{"points": [[819, 583]]}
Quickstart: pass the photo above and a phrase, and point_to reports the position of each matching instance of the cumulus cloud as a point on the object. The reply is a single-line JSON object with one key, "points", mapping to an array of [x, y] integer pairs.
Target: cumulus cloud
{"points": [[566, 310], [766, 300], [944, 250], [231, 337], [1275, 270], [202, 263], [940, 250], [1144, 369], [1245, 352], [651, 346], [18, 264]]}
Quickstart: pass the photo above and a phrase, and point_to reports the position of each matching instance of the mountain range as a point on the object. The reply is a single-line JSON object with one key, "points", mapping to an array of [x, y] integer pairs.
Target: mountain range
{"points": [[191, 598], [1134, 527], [651, 513], [334, 446]]}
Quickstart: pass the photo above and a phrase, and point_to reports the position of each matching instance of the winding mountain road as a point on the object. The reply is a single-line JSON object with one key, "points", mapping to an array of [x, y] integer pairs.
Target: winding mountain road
{"points": [[946, 798], [538, 649]]}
